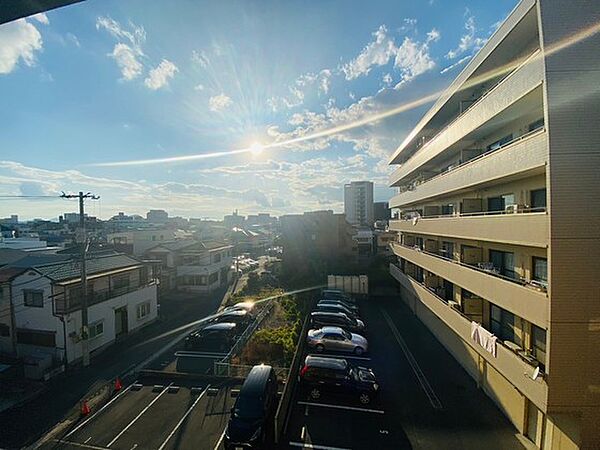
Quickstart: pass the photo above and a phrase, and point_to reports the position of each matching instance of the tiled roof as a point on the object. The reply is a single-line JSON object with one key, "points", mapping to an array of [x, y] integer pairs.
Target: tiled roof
{"points": [[176, 244], [212, 245], [72, 269]]}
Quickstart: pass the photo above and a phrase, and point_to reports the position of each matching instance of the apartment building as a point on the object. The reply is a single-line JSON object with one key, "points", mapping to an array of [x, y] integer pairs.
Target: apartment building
{"points": [[498, 235], [358, 203], [42, 305]]}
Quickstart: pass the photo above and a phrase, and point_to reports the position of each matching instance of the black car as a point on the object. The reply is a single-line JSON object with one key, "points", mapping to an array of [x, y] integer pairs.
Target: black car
{"points": [[320, 319], [337, 301], [218, 337], [336, 307], [335, 375], [254, 409], [239, 316], [337, 294]]}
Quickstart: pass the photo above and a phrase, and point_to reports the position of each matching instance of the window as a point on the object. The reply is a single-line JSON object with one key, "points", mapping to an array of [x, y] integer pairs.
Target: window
{"points": [[419, 274], [143, 310], [120, 282], [4, 330], [213, 277], [504, 263], [36, 337], [500, 142], [447, 249], [217, 258], [538, 344], [540, 270], [536, 125], [501, 202], [33, 298], [538, 199], [448, 210], [503, 325], [96, 329]]}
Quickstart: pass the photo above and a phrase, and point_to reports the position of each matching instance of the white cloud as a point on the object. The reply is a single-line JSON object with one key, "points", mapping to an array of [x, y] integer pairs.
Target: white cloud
{"points": [[19, 41], [127, 61], [456, 64], [412, 59], [136, 35], [41, 18], [200, 58], [73, 39], [297, 92], [219, 102], [377, 53], [159, 76], [387, 79], [469, 42], [199, 87], [434, 35]]}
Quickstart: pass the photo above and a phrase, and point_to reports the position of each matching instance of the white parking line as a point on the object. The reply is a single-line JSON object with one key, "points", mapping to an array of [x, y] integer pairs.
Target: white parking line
{"points": [[77, 444], [154, 400], [349, 408], [433, 398], [220, 439], [187, 413], [340, 356], [315, 446], [82, 424]]}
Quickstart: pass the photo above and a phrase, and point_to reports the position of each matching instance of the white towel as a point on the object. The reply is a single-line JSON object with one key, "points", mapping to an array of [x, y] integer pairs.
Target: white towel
{"points": [[483, 338]]}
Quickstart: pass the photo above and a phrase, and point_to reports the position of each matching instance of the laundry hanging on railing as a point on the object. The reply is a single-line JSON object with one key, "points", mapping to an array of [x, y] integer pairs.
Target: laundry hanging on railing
{"points": [[484, 338]]}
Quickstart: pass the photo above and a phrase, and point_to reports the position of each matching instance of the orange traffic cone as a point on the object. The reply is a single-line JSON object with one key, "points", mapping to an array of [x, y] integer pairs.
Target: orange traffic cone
{"points": [[85, 409], [118, 384]]}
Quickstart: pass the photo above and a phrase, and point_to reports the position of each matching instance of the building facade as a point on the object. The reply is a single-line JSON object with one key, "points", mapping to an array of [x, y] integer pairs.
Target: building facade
{"points": [[358, 203], [45, 305], [498, 241]]}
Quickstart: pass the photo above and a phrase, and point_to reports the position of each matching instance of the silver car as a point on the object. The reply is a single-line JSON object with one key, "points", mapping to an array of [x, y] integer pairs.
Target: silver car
{"points": [[336, 339]]}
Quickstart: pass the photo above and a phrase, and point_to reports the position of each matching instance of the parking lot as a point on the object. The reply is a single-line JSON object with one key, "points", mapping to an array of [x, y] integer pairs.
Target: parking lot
{"points": [[161, 416], [426, 399]]}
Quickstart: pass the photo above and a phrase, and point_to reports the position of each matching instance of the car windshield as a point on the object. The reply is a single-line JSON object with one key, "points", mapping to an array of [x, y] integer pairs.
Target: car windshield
{"points": [[346, 335]]}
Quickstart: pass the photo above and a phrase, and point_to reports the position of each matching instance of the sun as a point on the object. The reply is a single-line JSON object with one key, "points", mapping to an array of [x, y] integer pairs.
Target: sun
{"points": [[256, 149]]}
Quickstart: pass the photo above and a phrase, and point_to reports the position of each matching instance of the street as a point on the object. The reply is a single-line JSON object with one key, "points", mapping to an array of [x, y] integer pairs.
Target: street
{"points": [[25, 423]]}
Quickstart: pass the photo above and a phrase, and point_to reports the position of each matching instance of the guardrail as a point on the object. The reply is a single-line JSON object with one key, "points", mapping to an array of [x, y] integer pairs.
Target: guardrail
{"points": [[283, 410]]}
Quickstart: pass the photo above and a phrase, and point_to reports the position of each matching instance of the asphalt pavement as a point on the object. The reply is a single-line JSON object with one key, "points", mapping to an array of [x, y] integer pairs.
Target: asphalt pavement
{"points": [[24, 424], [427, 401]]}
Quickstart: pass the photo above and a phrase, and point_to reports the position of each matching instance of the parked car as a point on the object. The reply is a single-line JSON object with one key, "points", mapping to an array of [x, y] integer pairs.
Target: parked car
{"points": [[240, 316], [246, 306], [337, 294], [254, 408], [336, 319], [328, 301], [336, 339], [333, 307], [217, 337], [332, 375]]}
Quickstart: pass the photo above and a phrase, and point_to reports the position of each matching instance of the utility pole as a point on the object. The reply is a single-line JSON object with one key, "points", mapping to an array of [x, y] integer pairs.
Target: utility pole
{"points": [[82, 238]]}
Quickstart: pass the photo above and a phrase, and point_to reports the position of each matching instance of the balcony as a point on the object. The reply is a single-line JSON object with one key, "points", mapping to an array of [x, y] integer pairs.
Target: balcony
{"points": [[511, 89], [526, 228], [507, 362], [524, 300], [524, 156], [72, 303]]}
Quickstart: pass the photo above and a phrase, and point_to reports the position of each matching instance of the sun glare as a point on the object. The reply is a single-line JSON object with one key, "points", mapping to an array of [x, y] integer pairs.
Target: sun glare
{"points": [[256, 149]]}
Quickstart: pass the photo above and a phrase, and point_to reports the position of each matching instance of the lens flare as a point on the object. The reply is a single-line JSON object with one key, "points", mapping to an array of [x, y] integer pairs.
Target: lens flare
{"points": [[257, 148]]}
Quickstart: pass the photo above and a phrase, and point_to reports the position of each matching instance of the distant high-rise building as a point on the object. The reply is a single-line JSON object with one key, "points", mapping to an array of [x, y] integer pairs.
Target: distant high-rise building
{"points": [[157, 216], [498, 253], [233, 220], [382, 211], [358, 203]]}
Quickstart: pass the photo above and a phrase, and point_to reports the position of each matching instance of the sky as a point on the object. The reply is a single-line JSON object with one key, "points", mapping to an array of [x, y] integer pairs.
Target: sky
{"points": [[243, 90]]}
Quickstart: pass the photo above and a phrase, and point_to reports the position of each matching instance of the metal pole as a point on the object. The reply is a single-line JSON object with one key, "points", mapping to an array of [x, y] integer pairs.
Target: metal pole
{"points": [[84, 304]]}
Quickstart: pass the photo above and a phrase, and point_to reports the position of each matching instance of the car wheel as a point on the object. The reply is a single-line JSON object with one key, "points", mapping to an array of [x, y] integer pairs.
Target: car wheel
{"points": [[315, 394], [358, 351], [319, 348], [364, 398]]}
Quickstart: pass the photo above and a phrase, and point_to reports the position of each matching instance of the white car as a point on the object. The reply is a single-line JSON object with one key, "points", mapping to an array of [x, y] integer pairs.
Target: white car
{"points": [[337, 340]]}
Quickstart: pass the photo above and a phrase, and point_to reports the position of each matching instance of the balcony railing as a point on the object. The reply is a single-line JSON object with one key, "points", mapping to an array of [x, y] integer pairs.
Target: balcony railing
{"points": [[71, 303], [484, 267], [524, 356], [423, 179]]}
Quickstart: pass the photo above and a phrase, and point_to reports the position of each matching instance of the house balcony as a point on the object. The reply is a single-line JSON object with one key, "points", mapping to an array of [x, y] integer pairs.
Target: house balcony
{"points": [[507, 362], [67, 305], [521, 228], [500, 98], [522, 157], [524, 300]]}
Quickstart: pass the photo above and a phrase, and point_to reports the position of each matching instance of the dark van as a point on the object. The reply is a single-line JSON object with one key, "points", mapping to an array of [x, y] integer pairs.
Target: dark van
{"points": [[252, 414], [217, 338]]}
